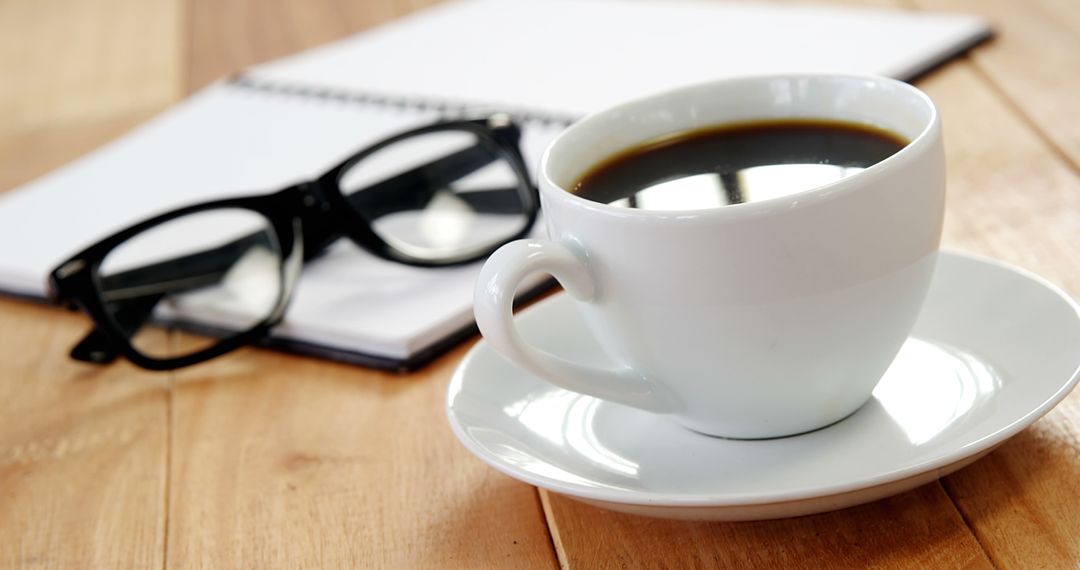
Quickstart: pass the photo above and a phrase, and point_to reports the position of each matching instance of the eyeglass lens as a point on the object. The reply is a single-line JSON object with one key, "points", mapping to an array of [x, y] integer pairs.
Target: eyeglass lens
{"points": [[438, 195], [213, 270]]}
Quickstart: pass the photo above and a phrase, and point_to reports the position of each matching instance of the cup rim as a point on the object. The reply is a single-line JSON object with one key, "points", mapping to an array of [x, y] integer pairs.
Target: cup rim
{"points": [[549, 189]]}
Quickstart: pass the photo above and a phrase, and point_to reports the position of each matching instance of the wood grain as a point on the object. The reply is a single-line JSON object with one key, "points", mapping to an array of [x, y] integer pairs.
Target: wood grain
{"points": [[1010, 196], [72, 61], [1034, 63], [82, 451], [226, 37], [286, 462], [917, 529], [1021, 500], [77, 73]]}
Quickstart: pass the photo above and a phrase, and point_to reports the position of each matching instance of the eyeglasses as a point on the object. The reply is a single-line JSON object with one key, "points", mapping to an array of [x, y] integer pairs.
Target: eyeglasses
{"points": [[444, 194]]}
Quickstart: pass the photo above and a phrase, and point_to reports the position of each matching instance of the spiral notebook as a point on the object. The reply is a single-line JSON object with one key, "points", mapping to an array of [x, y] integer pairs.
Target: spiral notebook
{"points": [[545, 61]]}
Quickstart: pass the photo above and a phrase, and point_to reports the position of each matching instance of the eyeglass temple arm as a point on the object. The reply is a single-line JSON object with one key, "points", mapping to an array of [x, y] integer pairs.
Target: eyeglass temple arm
{"points": [[413, 189], [97, 348], [182, 273]]}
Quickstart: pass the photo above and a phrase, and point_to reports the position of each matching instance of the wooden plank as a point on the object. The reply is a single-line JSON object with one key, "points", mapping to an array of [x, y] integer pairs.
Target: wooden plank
{"points": [[229, 36], [82, 451], [1021, 501], [281, 461], [1035, 62], [917, 529], [28, 154], [1009, 195], [70, 62], [78, 73]]}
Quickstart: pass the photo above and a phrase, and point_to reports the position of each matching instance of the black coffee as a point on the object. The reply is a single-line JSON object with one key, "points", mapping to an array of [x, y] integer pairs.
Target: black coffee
{"points": [[734, 164]]}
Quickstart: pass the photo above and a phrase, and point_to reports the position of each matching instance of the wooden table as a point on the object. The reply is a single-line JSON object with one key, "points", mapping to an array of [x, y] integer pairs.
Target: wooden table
{"points": [[267, 460]]}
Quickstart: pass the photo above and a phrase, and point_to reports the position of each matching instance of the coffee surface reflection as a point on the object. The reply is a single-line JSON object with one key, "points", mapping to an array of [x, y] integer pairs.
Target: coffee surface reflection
{"points": [[735, 164]]}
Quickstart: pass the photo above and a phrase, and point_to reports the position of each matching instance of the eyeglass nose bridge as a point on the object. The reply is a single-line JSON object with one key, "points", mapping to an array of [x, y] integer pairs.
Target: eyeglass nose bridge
{"points": [[319, 226]]}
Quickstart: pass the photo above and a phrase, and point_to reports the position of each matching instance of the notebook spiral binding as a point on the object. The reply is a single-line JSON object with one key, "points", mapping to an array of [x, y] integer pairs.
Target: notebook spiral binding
{"points": [[444, 108]]}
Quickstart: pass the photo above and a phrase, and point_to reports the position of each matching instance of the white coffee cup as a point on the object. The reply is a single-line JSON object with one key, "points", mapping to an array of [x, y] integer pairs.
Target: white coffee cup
{"points": [[754, 320]]}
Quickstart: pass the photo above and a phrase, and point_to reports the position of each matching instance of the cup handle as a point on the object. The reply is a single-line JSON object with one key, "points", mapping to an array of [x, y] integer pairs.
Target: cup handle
{"points": [[493, 305]]}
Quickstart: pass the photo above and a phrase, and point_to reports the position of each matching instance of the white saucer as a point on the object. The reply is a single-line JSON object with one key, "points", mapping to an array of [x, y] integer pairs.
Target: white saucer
{"points": [[994, 349]]}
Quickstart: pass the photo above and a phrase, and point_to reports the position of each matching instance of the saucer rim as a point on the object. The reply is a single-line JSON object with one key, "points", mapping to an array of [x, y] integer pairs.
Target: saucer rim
{"points": [[976, 448]]}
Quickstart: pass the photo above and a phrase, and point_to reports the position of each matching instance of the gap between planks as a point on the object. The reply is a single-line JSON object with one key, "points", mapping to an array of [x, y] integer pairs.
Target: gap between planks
{"points": [[986, 77], [167, 500], [552, 528], [967, 522]]}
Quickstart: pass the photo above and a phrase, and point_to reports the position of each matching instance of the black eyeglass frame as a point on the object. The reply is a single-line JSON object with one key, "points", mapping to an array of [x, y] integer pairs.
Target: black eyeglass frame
{"points": [[306, 218], [498, 130]]}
